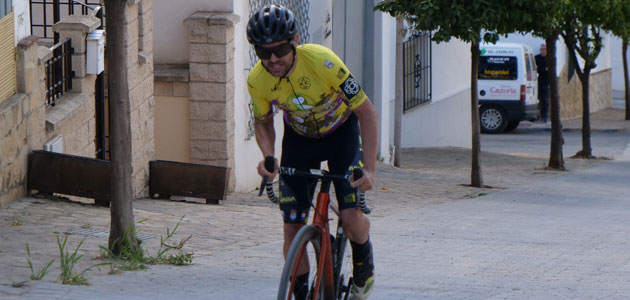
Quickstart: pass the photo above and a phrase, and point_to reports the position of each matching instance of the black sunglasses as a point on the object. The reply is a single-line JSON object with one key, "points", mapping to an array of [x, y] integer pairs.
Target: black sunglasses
{"points": [[280, 50]]}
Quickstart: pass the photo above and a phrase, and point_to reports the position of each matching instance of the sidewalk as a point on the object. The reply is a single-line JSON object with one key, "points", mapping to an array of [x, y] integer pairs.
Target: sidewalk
{"points": [[245, 221], [610, 120]]}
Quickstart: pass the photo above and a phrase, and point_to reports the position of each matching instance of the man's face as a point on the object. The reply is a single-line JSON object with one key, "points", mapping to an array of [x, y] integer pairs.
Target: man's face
{"points": [[543, 50], [277, 57]]}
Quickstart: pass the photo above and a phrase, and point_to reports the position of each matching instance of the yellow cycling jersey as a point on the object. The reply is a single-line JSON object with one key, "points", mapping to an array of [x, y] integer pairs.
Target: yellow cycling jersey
{"points": [[316, 98]]}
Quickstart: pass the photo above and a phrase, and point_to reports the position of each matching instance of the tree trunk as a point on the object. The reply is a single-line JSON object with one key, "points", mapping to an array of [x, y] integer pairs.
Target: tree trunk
{"points": [[476, 179], [556, 160], [122, 232], [586, 151], [398, 93], [626, 80]]}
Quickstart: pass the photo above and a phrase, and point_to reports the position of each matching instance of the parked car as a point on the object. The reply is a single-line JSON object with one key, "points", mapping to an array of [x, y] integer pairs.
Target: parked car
{"points": [[508, 86]]}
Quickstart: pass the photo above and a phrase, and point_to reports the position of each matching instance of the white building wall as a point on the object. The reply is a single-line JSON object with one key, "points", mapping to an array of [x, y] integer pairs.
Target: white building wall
{"points": [[385, 75], [22, 21], [172, 43], [617, 64], [446, 120]]}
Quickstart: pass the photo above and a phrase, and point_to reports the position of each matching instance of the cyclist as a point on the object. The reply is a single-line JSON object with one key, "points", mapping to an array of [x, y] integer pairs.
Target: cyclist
{"points": [[323, 107]]}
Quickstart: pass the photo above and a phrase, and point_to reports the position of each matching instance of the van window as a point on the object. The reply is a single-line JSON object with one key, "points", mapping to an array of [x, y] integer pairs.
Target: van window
{"points": [[528, 66], [497, 67]]}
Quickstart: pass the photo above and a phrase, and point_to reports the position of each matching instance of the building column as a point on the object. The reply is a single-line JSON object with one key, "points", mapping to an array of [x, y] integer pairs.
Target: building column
{"points": [[212, 89], [77, 27]]}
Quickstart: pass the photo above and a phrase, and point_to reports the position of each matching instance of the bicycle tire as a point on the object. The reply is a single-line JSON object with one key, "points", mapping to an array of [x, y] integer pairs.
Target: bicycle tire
{"points": [[342, 264], [308, 235]]}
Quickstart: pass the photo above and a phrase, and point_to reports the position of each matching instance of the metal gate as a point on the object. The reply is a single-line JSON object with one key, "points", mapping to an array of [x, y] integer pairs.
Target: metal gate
{"points": [[300, 10], [417, 70]]}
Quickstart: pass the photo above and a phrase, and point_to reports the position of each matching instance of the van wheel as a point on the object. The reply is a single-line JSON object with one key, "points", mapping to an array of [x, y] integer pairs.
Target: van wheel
{"points": [[493, 119], [511, 126]]}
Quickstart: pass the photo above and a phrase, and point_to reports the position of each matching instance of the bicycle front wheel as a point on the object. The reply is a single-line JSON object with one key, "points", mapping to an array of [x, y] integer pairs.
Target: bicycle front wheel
{"points": [[343, 265], [305, 247]]}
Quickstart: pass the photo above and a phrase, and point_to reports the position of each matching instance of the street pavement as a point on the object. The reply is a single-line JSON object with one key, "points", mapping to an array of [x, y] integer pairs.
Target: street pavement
{"points": [[531, 233]]}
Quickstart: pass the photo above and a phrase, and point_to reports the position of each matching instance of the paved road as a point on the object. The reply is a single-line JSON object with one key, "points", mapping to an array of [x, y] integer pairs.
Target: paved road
{"points": [[562, 237]]}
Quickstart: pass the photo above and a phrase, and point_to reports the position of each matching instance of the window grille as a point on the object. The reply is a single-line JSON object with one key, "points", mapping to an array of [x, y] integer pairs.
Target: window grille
{"points": [[59, 72], [417, 70], [45, 13]]}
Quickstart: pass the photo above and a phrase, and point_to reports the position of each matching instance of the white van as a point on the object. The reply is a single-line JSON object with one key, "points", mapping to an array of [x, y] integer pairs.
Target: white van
{"points": [[508, 86]]}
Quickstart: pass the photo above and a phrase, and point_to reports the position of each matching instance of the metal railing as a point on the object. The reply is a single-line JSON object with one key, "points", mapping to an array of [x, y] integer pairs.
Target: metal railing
{"points": [[59, 72], [417, 70], [45, 13]]}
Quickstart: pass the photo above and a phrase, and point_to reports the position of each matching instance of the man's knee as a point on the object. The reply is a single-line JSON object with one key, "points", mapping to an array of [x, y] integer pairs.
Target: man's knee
{"points": [[356, 225]]}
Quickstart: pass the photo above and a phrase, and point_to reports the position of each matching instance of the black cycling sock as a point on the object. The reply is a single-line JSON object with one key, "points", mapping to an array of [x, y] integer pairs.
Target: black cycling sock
{"points": [[300, 289], [360, 251]]}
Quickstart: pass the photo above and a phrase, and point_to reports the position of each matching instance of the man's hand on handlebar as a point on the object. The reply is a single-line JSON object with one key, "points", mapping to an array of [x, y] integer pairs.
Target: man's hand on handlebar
{"points": [[263, 172]]}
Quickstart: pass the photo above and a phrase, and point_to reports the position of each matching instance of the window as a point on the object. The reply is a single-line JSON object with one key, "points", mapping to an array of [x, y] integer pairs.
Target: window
{"points": [[416, 70], [5, 7], [497, 67], [8, 85]]}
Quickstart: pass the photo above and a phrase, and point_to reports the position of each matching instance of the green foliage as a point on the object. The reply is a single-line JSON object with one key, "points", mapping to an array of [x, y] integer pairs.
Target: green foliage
{"points": [[133, 258], [67, 262], [470, 21], [42, 271]]}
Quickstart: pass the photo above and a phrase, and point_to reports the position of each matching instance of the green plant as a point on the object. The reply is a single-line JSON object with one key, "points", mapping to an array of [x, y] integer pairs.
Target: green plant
{"points": [[42, 271], [131, 258], [68, 261]]}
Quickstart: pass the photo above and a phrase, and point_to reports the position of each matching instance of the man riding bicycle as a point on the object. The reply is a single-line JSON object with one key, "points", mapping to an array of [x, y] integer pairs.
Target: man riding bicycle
{"points": [[323, 107]]}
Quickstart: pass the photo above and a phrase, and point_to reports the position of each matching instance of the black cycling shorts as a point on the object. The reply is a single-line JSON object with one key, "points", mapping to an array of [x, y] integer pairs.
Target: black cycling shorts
{"points": [[342, 150]]}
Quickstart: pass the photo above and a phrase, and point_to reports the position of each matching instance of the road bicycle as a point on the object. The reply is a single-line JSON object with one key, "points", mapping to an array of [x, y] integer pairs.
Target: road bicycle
{"points": [[329, 257]]}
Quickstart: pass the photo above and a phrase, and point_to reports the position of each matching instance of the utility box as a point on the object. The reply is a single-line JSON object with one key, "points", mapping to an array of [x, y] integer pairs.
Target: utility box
{"points": [[95, 56]]}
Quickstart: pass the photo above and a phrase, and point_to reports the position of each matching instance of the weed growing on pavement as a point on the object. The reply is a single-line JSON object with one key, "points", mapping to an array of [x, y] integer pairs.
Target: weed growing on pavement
{"points": [[130, 257], [68, 261], [42, 271], [134, 258]]}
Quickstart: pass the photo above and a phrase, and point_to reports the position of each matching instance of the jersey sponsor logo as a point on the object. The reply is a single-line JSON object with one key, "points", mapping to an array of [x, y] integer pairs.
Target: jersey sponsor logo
{"points": [[350, 87], [329, 64], [293, 215], [301, 103], [304, 82], [341, 73]]}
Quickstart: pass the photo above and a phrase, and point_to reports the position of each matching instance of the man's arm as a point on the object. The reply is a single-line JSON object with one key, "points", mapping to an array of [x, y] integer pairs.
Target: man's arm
{"points": [[368, 121], [266, 139]]}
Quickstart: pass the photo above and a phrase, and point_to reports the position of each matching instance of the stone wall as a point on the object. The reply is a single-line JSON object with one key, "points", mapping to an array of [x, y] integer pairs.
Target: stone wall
{"points": [[212, 89], [600, 93], [21, 122], [139, 23]]}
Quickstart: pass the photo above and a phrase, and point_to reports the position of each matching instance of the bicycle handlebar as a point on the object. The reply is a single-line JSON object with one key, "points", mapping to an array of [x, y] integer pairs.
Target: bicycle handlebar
{"points": [[316, 174]]}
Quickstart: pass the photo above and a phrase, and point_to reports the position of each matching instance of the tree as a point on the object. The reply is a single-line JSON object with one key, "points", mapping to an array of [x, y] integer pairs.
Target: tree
{"points": [[469, 21], [582, 33], [122, 232], [544, 18], [619, 24]]}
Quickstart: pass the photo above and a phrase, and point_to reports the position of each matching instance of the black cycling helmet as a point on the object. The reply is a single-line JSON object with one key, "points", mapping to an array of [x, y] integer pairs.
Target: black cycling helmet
{"points": [[270, 24]]}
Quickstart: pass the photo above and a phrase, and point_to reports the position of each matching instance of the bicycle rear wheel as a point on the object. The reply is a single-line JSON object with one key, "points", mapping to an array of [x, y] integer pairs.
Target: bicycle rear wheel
{"points": [[343, 265], [306, 242]]}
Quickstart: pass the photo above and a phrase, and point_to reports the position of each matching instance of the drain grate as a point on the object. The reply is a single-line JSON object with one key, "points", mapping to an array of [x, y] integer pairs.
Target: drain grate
{"points": [[102, 233]]}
